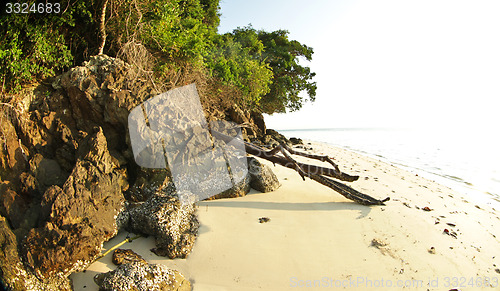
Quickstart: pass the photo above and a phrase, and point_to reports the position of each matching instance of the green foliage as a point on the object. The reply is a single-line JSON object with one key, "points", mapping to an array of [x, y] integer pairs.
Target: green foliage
{"points": [[263, 66], [31, 48], [39, 45], [290, 78], [262, 51], [233, 64], [175, 31]]}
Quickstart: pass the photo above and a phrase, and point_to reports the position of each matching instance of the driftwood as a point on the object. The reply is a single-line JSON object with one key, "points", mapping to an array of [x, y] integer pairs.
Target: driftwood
{"points": [[319, 174]]}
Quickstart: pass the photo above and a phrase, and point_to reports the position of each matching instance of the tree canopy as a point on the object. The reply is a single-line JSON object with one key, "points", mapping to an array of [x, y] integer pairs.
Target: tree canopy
{"points": [[264, 67], [289, 77]]}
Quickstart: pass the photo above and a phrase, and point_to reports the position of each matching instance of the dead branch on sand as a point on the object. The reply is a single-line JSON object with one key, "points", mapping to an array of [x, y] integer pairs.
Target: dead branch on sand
{"points": [[319, 174]]}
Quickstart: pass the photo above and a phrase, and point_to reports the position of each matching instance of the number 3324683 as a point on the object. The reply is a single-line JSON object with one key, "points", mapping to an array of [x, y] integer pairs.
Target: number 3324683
{"points": [[25, 8]]}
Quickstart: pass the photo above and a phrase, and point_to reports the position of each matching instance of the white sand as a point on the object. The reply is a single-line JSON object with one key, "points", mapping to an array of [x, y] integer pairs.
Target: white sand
{"points": [[317, 238]]}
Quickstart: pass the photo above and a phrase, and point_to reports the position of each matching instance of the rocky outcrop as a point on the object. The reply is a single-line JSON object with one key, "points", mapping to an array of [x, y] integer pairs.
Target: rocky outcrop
{"points": [[274, 138], [79, 217], [14, 274], [65, 168], [141, 276], [13, 158], [262, 177], [173, 224]]}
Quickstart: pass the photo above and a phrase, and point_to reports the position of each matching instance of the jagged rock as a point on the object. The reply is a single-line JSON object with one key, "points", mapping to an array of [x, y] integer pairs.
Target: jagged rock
{"points": [[121, 256], [295, 140], [147, 182], [12, 156], [80, 216], [62, 182], [14, 274], [141, 276], [12, 205], [99, 96], [239, 190], [29, 184], [46, 171], [31, 134], [174, 224], [237, 115], [258, 119], [273, 138], [262, 177]]}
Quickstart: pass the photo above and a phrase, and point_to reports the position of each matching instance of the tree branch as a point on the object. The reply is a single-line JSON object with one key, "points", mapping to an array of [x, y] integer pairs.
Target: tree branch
{"points": [[315, 173], [102, 28]]}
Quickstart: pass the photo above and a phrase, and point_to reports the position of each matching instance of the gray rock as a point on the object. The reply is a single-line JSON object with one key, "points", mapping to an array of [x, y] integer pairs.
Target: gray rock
{"points": [[295, 140], [274, 137], [172, 223], [140, 276], [262, 177], [239, 190]]}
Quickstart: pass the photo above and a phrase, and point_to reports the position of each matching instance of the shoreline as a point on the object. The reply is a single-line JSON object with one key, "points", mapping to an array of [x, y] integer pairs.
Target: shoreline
{"points": [[447, 160], [317, 237], [455, 183]]}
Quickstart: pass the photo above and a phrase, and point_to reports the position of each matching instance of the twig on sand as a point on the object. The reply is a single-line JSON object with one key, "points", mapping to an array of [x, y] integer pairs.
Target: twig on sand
{"points": [[128, 239]]}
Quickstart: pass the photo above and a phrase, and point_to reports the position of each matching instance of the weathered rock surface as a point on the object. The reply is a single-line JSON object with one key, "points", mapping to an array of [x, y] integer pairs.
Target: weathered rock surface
{"points": [[47, 172], [79, 217], [65, 169], [124, 256], [295, 140], [173, 224], [12, 155], [262, 177], [13, 206], [274, 138], [147, 182], [14, 274], [239, 190], [141, 276]]}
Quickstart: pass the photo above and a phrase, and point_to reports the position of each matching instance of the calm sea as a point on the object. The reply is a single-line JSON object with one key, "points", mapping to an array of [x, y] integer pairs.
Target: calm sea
{"points": [[468, 162]]}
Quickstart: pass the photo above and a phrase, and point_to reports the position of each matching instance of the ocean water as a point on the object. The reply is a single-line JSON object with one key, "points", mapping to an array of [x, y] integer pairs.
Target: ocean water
{"points": [[466, 161]]}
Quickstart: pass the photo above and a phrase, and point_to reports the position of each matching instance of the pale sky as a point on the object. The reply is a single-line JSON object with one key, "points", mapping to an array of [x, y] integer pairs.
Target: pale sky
{"points": [[383, 63]]}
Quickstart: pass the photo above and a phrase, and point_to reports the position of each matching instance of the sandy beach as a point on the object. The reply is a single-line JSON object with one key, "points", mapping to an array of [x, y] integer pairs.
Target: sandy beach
{"points": [[426, 237]]}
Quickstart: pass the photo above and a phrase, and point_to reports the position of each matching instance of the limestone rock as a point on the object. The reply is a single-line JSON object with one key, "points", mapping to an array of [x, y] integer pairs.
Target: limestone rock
{"points": [[80, 216], [174, 224], [239, 190], [12, 156], [237, 115], [262, 177], [15, 276], [99, 96], [12, 205], [258, 120], [121, 256], [147, 182], [141, 276], [46, 171], [273, 138], [295, 140]]}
